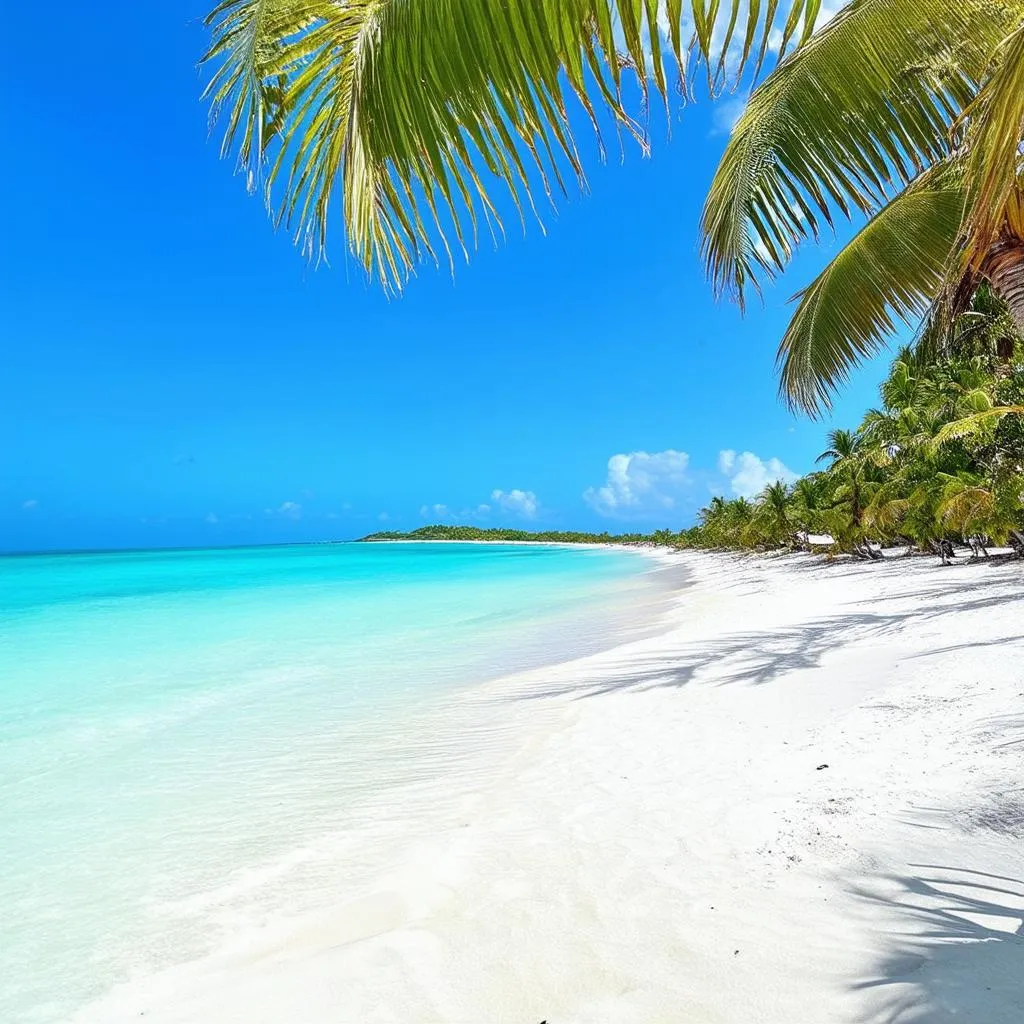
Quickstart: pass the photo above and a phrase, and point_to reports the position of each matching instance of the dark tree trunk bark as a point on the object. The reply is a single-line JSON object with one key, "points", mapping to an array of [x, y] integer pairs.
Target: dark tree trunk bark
{"points": [[1017, 543]]}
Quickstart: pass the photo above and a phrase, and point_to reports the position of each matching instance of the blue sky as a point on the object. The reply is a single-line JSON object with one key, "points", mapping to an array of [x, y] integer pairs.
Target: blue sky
{"points": [[175, 373]]}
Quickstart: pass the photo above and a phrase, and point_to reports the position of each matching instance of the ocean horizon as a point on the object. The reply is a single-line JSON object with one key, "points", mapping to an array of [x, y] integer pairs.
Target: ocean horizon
{"points": [[195, 743]]}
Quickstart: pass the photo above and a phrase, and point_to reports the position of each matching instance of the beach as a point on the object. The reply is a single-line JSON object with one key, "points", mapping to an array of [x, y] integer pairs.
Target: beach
{"points": [[801, 801]]}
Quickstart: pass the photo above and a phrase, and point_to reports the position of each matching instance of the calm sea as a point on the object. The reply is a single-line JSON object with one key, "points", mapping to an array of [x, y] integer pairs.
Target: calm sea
{"points": [[193, 742]]}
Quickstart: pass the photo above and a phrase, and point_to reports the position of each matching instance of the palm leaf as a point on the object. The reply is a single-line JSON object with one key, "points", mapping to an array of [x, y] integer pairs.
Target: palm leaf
{"points": [[859, 110], [412, 112], [887, 273], [966, 505], [885, 514], [974, 425], [996, 129]]}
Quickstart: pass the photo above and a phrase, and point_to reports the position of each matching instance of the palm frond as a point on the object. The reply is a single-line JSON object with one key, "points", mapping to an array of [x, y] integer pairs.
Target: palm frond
{"points": [[859, 110], [995, 133], [973, 425], [889, 272], [966, 506], [885, 513], [410, 113]]}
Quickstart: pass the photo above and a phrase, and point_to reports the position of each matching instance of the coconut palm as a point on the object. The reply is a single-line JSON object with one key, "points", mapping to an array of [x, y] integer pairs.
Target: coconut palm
{"points": [[773, 520], [984, 328], [853, 470], [408, 116], [940, 461], [809, 502], [909, 112]]}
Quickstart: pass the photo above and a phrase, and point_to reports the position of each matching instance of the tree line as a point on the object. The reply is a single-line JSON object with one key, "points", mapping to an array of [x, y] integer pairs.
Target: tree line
{"points": [[939, 463], [474, 533]]}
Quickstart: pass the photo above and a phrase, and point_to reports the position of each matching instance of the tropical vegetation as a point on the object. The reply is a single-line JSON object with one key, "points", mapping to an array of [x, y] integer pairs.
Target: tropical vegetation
{"points": [[415, 113], [481, 533], [410, 118], [909, 113], [939, 464]]}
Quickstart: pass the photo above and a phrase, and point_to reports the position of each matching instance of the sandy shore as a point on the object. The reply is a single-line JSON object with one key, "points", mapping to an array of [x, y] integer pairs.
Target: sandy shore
{"points": [[803, 803]]}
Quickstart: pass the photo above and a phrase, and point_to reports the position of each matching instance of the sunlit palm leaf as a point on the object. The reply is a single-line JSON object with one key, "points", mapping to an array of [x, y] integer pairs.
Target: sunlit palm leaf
{"points": [[885, 513], [966, 506], [996, 130], [974, 425], [857, 111], [410, 112], [887, 273]]}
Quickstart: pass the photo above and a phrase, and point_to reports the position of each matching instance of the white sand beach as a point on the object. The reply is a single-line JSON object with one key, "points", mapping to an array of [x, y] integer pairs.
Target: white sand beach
{"points": [[803, 802]]}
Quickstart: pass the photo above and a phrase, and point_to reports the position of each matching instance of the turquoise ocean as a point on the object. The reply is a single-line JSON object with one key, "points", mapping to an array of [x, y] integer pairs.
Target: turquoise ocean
{"points": [[195, 743]]}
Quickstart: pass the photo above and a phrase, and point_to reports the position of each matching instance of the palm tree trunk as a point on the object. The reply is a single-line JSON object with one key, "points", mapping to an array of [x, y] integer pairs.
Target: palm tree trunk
{"points": [[1017, 543], [1004, 268]]}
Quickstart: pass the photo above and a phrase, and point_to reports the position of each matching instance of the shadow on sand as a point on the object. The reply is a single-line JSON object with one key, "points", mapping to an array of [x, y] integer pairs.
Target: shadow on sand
{"points": [[959, 954], [759, 656], [963, 957]]}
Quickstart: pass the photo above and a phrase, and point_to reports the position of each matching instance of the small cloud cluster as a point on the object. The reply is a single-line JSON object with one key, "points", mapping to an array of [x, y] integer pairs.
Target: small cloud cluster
{"points": [[523, 504], [436, 511], [517, 502], [640, 484], [30, 504], [287, 510], [646, 485], [748, 475]]}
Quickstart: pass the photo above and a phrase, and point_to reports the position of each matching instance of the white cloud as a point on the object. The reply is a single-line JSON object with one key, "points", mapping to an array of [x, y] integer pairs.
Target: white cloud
{"points": [[438, 511], [383, 517], [211, 517], [30, 504], [288, 509], [640, 484], [749, 475], [520, 503]]}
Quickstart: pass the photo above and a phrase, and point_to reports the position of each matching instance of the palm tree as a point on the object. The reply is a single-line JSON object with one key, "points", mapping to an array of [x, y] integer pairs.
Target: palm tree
{"points": [[410, 114], [909, 112], [984, 328], [774, 517], [407, 116], [852, 467], [809, 502]]}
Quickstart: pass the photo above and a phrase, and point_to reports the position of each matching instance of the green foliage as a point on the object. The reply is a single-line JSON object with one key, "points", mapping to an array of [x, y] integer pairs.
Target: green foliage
{"points": [[407, 115], [942, 458], [909, 112], [478, 533]]}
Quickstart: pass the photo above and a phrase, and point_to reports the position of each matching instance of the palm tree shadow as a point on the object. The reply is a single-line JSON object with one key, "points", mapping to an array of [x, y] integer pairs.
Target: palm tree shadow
{"points": [[963, 959], [759, 656]]}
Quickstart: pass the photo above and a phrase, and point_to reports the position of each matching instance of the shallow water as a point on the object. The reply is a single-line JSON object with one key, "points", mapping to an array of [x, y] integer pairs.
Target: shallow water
{"points": [[194, 742]]}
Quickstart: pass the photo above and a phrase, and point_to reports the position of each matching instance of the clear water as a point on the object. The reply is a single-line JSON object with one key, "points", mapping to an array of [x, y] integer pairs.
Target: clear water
{"points": [[192, 742]]}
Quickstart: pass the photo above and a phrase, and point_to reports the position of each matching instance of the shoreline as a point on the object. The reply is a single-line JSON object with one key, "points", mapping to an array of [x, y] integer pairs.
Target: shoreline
{"points": [[763, 778], [581, 545]]}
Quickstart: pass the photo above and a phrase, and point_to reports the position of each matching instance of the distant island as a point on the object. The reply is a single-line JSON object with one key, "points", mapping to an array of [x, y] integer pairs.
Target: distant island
{"points": [[468, 533]]}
